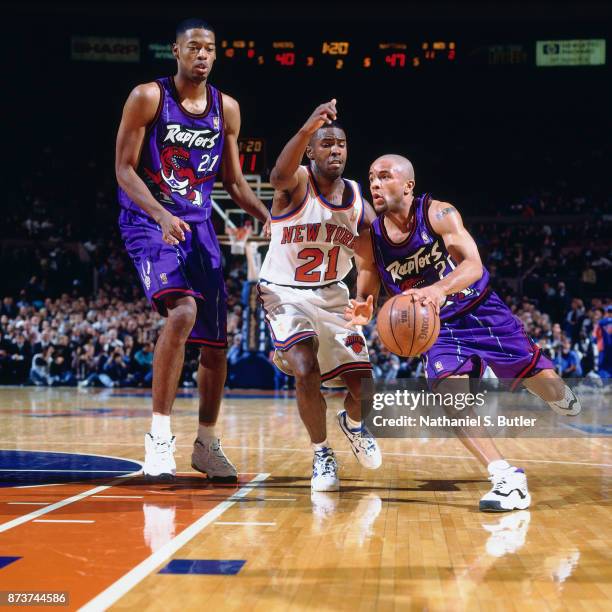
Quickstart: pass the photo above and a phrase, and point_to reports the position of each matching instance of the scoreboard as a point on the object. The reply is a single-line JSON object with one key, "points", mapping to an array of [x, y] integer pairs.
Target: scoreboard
{"points": [[252, 152], [336, 54]]}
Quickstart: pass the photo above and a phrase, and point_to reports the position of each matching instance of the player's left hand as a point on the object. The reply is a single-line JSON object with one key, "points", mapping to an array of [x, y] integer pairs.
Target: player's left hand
{"points": [[266, 230], [428, 295], [359, 313]]}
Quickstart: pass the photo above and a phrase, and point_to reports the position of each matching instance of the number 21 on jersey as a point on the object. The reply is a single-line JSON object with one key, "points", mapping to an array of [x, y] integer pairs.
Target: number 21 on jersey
{"points": [[314, 258]]}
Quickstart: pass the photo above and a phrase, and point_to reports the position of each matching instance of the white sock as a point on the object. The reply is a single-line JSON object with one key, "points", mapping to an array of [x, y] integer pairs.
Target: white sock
{"points": [[160, 425], [320, 446], [206, 433], [352, 424], [498, 466]]}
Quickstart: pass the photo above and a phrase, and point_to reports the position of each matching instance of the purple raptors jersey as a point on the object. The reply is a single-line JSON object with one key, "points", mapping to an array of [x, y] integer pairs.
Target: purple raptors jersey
{"points": [[181, 154], [421, 260]]}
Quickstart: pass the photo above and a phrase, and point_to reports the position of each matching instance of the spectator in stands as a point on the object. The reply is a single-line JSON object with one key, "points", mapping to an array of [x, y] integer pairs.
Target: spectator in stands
{"points": [[567, 361], [604, 344], [144, 364], [21, 355], [39, 372], [573, 319]]}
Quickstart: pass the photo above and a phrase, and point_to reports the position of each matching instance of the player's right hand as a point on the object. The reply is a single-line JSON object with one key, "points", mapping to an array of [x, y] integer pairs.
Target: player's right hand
{"points": [[322, 115], [359, 313], [173, 228]]}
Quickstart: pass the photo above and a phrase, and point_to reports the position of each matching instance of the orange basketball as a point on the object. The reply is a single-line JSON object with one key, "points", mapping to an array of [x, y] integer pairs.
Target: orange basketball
{"points": [[406, 327]]}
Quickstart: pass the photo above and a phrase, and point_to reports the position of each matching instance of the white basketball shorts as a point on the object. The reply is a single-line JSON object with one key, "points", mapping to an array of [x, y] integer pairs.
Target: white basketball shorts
{"points": [[295, 313]]}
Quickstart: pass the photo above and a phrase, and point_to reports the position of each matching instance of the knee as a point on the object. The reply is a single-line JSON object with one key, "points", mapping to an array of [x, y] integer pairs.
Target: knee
{"points": [[213, 359], [182, 318], [305, 368]]}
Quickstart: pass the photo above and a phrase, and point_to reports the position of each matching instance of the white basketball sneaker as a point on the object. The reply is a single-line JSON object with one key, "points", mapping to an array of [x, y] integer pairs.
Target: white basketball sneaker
{"points": [[509, 491], [568, 406], [325, 471], [210, 459], [159, 464], [363, 445]]}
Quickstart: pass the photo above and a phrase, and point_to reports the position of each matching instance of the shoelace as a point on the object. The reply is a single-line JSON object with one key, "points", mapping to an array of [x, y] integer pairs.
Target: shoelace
{"points": [[364, 440], [328, 463], [499, 484], [163, 446]]}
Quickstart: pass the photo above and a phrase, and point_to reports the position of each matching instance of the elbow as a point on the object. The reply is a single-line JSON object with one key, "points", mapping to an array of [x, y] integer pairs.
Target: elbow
{"points": [[231, 186], [479, 271], [122, 173], [274, 179], [277, 180]]}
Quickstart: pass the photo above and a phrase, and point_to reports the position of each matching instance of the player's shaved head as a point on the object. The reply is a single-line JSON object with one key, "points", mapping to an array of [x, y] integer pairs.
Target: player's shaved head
{"points": [[391, 183], [402, 165]]}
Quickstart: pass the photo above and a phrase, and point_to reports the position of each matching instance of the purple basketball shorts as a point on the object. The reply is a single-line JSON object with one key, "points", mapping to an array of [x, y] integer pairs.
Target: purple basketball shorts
{"points": [[192, 267], [489, 335]]}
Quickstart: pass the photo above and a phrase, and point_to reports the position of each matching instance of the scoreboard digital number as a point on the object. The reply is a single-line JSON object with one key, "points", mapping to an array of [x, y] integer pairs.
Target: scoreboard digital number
{"points": [[252, 153], [289, 54]]}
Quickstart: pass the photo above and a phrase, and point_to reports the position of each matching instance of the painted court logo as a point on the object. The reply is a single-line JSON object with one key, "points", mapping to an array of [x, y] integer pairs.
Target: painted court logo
{"points": [[354, 341]]}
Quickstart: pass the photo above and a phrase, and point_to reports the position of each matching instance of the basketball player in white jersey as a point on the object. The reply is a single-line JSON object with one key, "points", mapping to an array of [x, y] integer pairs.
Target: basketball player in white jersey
{"points": [[316, 217]]}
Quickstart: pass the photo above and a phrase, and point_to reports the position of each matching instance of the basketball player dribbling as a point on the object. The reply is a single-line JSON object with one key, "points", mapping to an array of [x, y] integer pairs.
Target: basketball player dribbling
{"points": [[174, 136], [316, 216], [420, 247]]}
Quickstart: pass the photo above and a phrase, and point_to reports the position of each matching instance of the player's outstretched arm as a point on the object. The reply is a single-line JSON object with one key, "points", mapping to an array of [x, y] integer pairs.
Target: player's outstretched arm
{"points": [[286, 175], [446, 221], [231, 175], [361, 309], [138, 112]]}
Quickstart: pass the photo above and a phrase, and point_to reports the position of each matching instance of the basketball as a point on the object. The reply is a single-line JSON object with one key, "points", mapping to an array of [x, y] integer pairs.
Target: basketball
{"points": [[406, 327]]}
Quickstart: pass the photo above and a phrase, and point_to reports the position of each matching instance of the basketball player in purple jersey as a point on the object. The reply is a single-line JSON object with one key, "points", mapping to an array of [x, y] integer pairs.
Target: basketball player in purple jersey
{"points": [[419, 246], [175, 135]]}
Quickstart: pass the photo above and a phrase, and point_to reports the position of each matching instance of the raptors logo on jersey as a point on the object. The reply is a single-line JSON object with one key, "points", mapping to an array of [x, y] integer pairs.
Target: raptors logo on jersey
{"points": [[420, 260], [314, 244]]}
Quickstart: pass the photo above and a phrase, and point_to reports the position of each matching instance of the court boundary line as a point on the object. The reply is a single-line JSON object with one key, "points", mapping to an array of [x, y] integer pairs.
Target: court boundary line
{"points": [[127, 582]]}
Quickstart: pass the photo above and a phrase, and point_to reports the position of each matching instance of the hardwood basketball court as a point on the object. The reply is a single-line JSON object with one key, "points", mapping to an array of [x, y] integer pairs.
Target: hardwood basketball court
{"points": [[76, 516]]}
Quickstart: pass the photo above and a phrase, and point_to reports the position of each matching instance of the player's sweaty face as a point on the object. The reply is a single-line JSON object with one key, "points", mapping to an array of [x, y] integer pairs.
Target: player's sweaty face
{"points": [[196, 52], [386, 186], [329, 152]]}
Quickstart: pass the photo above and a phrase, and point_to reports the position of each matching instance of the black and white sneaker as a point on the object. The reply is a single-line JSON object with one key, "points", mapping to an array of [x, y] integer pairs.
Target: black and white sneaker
{"points": [[325, 471], [364, 446], [159, 464], [509, 492], [568, 406]]}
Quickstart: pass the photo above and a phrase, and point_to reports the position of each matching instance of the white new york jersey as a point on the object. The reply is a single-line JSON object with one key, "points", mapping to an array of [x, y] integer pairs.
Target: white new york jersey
{"points": [[314, 244]]}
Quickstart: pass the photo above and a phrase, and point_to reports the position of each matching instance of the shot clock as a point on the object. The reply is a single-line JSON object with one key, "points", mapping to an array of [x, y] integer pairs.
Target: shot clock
{"points": [[252, 153]]}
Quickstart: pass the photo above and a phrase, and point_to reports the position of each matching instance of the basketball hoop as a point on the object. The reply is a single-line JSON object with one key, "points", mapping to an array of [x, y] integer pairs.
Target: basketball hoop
{"points": [[238, 237]]}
